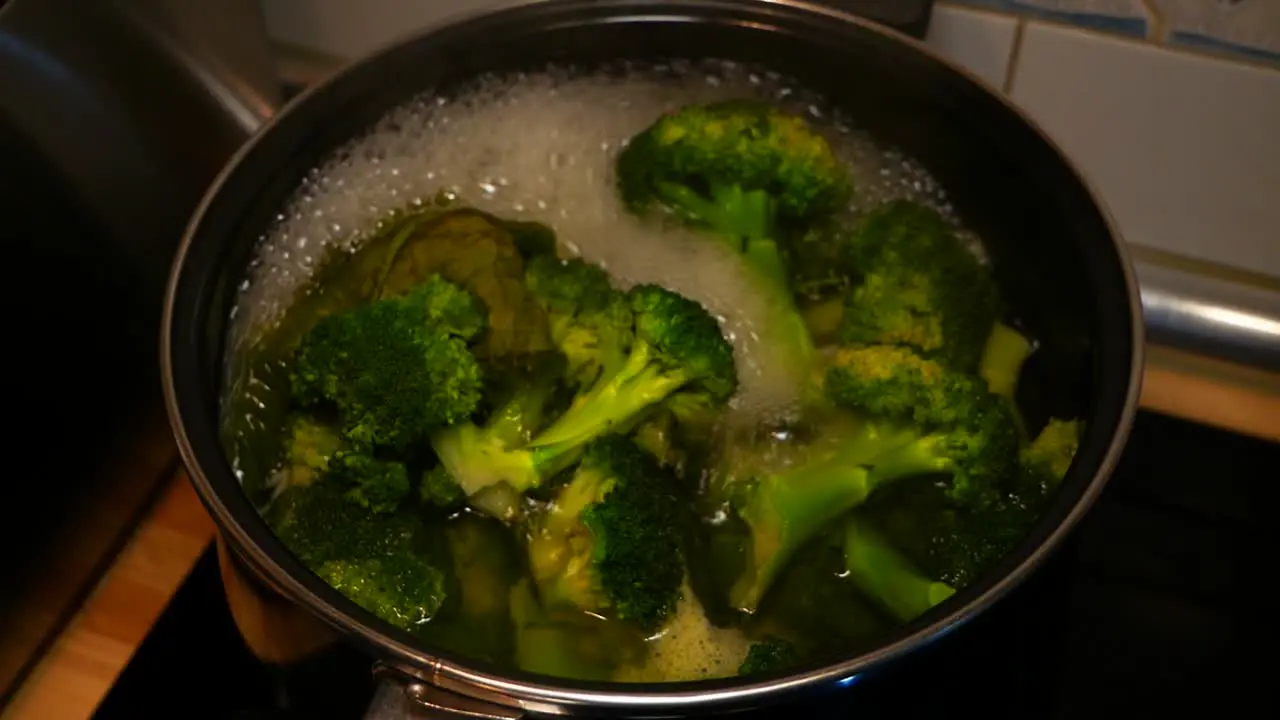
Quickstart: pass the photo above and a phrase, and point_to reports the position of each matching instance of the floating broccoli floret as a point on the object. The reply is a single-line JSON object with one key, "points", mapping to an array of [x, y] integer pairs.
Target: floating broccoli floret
{"points": [[609, 543], [590, 320], [395, 369], [919, 287], [749, 173]]}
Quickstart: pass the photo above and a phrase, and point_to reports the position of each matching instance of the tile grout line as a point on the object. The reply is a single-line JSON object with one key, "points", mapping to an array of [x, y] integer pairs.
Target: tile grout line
{"points": [[1015, 49]]}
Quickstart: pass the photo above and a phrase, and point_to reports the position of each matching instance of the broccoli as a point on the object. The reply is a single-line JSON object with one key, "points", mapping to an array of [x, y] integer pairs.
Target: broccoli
{"points": [[924, 420], [677, 348], [769, 656], [609, 543], [971, 539], [395, 369], [374, 484], [1003, 356], [566, 643], [784, 510], [487, 463], [373, 559], [929, 419], [886, 576], [309, 447], [918, 287], [751, 174], [590, 321]]}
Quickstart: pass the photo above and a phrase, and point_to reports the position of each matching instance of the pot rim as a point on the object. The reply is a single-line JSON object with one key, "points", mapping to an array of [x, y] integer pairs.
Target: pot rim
{"points": [[554, 699]]}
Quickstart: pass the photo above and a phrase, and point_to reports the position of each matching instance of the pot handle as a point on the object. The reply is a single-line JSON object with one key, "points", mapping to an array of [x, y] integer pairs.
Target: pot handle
{"points": [[400, 697]]}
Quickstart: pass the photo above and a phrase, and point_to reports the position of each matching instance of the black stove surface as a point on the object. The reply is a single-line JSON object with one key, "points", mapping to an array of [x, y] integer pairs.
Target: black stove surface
{"points": [[1155, 608]]}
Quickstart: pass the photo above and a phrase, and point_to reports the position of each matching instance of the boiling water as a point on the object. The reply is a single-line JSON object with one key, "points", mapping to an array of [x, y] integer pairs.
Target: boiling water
{"points": [[541, 147]]}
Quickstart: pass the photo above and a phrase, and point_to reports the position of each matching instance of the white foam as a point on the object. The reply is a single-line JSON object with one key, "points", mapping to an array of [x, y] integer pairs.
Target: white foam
{"points": [[541, 147]]}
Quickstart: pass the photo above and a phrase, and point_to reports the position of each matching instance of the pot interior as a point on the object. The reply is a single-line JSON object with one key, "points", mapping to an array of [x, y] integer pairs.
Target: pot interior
{"points": [[1052, 250]]}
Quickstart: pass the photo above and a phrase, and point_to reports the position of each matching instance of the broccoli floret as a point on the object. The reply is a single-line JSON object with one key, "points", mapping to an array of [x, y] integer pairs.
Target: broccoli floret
{"points": [[396, 369], [972, 539], [677, 347], [769, 656], [370, 558], [933, 420], [309, 447], [590, 321], [919, 287], [374, 484], [751, 174], [488, 463], [886, 576], [609, 543]]}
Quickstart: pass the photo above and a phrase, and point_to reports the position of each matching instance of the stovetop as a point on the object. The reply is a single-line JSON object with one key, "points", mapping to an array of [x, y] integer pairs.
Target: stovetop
{"points": [[1154, 608]]}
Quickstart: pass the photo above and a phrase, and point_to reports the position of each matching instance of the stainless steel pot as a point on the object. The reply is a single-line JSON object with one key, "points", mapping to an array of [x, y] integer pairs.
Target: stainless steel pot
{"points": [[1055, 251]]}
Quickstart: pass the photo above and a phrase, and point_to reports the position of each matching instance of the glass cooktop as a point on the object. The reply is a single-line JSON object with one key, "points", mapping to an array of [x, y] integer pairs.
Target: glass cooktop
{"points": [[1154, 608]]}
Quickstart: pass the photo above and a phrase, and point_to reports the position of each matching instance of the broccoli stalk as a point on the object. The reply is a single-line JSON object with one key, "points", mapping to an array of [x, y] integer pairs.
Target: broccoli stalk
{"points": [[609, 543], [752, 175], [677, 347], [785, 510], [1003, 356], [883, 574]]}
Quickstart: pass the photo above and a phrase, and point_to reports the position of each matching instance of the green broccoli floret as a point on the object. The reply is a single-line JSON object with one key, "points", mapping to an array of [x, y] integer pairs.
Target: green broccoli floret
{"points": [[973, 538], [769, 656], [308, 449], [395, 369], [1003, 356], [370, 558], [590, 321], [750, 173], [374, 484], [934, 420], [677, 348], [886, 576], [609, 543], [919, 287]]}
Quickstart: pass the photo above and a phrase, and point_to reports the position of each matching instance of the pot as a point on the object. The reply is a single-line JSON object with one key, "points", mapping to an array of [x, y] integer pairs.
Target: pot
{"points": [[1054, 249]]}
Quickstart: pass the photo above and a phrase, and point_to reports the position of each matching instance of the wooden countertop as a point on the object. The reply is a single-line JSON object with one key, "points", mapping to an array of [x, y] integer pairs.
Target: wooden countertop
{"points": [[77, 672]]}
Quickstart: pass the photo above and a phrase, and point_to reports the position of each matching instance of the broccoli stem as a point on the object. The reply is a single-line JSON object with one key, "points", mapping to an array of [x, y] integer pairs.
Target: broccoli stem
{"points": [[924, 456], [886, 576], [613, 403], [1003, 356], [785, 510]]}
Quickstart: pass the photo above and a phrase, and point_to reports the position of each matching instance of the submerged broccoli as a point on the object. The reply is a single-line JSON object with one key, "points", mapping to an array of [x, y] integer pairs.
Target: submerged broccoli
{"points": [[609, 543], [748, 172], [309, 447], [972, 539], [924, 420], [919, 287], [769, 656], [886, 576], [395, 369], [374, 559]]}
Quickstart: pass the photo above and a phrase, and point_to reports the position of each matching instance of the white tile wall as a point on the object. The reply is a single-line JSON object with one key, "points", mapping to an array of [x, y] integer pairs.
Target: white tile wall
{"points": [[980, 41], [1184, 148]]}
